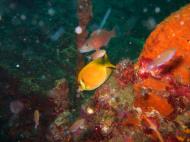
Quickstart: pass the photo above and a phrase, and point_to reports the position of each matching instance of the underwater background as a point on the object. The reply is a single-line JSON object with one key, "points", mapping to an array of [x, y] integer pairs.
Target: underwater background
{"points": [[38, 51]]}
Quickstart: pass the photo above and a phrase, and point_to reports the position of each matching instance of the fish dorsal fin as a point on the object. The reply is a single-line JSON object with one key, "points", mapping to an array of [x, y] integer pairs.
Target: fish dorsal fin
{"points": [[96, 32], [104, 61], [107, 62]]}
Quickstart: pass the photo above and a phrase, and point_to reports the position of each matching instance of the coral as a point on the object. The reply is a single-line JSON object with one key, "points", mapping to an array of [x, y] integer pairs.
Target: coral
{"points": [[152, 101], [58, 130], [59, 96], [173, 32], [165, 89], [124, 73]]}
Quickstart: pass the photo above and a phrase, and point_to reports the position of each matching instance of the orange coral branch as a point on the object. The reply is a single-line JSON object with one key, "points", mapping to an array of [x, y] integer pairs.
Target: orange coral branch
{"points": [[153, 127]]}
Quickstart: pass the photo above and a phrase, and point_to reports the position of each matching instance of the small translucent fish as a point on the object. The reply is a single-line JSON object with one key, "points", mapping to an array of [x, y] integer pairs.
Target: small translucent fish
{"points": [[162, 59], [78, 124], [97, 39], [36, 118], [97, 54], [94, 73]]}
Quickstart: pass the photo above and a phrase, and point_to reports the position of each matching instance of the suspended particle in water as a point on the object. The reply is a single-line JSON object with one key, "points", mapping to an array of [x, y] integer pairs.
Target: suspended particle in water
{"points": [[41, 23], [37, 41], [150, 23], [145, 10], [12, 6], [24, 39], [23, 17], [157, 10], [51, 12], [17, 66], [78, 30]]}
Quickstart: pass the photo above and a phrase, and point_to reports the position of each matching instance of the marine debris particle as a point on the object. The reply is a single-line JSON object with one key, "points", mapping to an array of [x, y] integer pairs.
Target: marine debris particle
{"points": [[150, 23], [57, 34], [51, 12], [16, 106]]}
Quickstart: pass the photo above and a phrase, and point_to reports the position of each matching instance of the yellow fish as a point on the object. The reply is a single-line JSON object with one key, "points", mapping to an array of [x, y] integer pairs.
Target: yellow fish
{"points": [[95, 73]]}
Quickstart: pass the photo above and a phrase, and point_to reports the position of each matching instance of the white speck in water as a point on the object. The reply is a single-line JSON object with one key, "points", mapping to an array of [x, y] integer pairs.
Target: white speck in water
{"points": [[37, 41], [145, 10], [157, 10], [17, 66], [78, 30], [12, 6], [41, 23], [24, 39], [43, 77], [23, 17], [130, 42], [182, 23], [51, 12], [150, 23]]}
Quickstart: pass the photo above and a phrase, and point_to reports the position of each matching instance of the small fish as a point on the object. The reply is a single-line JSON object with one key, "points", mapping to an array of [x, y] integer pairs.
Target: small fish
{"points": [[162, 59], [36, 118], [97, 39], [94, 73], [78, 124], [97, 54]]}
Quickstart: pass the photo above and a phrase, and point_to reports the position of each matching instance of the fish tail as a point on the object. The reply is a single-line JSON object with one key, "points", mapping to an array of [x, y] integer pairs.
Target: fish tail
{"points": [[35, 126]]}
